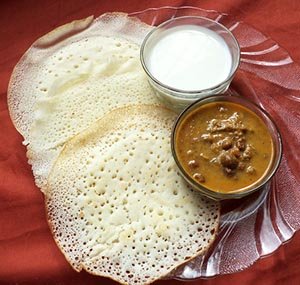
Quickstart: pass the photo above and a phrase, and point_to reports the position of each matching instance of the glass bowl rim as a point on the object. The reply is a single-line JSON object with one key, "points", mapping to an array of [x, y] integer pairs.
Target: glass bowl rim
{"points": [[179, 92], [248, 189]]}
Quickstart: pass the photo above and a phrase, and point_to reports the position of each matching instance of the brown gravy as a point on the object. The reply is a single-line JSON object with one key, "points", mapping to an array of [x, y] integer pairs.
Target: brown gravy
{"points": [[224, 146]]}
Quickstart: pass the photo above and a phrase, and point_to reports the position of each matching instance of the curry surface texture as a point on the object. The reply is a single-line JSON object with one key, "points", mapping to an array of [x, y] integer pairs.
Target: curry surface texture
{"points": [[224, 146]]}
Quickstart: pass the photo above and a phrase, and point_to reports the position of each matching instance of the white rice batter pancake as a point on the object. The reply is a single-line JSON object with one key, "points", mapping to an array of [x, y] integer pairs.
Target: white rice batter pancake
{"points": [[117, 205], [73, 76]]}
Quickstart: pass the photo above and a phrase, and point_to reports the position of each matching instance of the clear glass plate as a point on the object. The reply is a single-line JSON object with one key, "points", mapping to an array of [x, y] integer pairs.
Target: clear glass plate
{"points": [[257, 225]]}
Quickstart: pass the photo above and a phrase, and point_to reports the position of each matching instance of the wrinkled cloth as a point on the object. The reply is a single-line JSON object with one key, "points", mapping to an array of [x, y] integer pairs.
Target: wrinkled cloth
{"points": [[28, 253]]}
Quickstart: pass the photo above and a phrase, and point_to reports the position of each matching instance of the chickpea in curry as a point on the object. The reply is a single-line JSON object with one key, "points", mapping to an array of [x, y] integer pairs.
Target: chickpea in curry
{"points": [[224, 146]]}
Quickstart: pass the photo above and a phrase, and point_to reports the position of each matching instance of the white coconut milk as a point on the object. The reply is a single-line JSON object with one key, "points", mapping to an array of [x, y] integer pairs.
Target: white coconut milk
{"points": [[190, 58]]}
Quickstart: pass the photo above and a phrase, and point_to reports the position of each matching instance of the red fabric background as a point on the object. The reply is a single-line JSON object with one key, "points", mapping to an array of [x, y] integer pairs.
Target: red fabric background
{"points": [[28, 254]]}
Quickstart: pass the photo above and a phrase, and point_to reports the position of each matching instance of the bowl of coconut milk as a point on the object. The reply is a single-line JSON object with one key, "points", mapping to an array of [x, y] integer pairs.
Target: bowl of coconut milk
{"points": [[189, 58]]}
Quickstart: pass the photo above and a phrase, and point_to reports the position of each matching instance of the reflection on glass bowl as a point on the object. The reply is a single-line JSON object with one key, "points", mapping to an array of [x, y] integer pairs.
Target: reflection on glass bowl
{"points": [[259, 129], [188, 58]]}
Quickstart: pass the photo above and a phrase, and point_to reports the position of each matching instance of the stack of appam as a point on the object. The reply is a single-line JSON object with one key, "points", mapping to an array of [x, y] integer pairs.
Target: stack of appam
{"points": [[98, 141]]}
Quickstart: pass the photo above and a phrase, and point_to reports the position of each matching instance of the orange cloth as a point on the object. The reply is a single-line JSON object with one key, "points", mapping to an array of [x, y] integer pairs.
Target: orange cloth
{"points": [[28, 254]]}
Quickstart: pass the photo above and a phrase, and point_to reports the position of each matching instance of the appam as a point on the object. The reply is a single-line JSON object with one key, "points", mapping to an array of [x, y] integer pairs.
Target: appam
{"points": [[116, 204], [70, 78]]}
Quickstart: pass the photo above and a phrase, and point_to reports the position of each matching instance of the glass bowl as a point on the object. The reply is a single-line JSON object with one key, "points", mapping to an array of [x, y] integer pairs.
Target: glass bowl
{"points": [[173, 97], [261, 180]]}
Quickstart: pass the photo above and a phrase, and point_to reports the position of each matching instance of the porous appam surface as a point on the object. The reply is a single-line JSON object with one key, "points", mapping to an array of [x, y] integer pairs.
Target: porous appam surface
{"points": [[116, 204], [70, 78]]}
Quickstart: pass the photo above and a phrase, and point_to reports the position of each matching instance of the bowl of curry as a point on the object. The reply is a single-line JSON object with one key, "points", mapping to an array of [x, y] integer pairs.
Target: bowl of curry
{"points": [[226, 146]]}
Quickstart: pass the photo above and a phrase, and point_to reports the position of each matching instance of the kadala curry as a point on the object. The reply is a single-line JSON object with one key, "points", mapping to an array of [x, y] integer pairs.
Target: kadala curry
{"points": [[224, 146]]}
